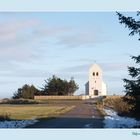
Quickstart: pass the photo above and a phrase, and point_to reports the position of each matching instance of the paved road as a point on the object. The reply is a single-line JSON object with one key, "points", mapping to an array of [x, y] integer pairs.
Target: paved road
{"points": [[84, 115]]}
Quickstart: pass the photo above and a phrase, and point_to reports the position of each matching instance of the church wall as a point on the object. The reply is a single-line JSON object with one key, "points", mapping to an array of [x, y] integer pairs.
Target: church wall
{"points": [[103, 89], [96, 82]]}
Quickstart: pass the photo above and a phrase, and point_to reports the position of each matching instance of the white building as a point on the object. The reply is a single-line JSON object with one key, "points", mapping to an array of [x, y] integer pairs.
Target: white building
{"points": [[95, 86]]}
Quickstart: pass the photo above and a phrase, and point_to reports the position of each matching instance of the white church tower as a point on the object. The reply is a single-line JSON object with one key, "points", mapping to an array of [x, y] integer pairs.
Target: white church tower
{"points": [[95, 86]]}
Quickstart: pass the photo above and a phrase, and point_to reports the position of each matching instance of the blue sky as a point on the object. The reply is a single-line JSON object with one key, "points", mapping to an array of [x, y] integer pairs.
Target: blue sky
{"points": [[36, 45]]}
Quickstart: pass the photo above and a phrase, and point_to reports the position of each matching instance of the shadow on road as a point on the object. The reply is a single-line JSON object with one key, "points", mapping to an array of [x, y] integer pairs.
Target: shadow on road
{"points": [[84, 115], [69, 123]]}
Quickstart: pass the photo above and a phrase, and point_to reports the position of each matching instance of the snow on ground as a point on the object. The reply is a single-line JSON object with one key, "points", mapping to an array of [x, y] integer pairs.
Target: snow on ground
{"points": [[88, 126], [16, 124], [112, 120]]}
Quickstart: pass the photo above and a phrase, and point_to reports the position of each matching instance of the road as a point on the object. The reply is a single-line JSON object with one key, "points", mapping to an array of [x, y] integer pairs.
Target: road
{"points": [[84, 115]]}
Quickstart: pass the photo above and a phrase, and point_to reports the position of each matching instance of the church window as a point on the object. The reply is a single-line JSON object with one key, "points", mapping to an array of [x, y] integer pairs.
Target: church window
{"points": [[97, 73], [93, 73]]}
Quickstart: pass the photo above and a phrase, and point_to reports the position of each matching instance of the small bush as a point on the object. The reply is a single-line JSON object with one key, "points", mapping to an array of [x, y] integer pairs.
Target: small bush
{"points": [[23, 101], [19, 101], [5, 117]]}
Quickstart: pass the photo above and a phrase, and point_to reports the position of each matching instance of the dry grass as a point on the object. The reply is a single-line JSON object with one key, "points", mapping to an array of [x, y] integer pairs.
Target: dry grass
{"points": [[100, 107], [118, 104], [27, 112]]}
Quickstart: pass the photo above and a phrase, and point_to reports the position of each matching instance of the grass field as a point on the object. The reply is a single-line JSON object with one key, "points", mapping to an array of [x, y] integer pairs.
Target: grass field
{"points": [[28, 112]]}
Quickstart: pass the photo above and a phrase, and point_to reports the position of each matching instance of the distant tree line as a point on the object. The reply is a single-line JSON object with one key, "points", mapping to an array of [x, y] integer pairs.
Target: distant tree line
{"points": [[52, 86]]}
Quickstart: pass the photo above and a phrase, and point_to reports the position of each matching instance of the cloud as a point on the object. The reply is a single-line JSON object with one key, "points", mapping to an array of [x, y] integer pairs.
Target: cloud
{"points": [[107, 67], [20, 40], [78, 68], [16, 54], [52, 31], [14, 37], [9, 30], [12, 69], [7, 82], [114, 78], [84, 60], [29, 73], [80, 39], [7, 66], [116, 66]]}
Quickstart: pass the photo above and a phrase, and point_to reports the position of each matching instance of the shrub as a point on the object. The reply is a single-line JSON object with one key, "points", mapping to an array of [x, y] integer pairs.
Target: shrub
{"points": [[119, 104], [5, 117], [20, 101]]}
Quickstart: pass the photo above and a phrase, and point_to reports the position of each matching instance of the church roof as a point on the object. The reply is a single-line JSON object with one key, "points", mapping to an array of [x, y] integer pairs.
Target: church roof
{"points": [[95, 66]]}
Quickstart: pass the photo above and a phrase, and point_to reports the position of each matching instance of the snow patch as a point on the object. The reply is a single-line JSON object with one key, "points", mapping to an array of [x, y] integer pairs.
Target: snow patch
{"points": [[16, 124], [88, 126], [113, 120]]}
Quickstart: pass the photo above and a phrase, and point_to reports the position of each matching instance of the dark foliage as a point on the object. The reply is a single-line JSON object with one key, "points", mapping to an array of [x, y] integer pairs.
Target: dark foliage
{"points": [[132, 86], [26, 92], [131, 23], [57, 86]]}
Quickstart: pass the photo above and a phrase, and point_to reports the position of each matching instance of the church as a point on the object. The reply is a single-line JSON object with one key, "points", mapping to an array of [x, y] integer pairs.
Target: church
{"points": [[95, 86]]}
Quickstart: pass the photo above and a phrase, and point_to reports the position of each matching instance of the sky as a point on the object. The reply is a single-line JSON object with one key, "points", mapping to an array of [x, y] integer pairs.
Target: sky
{"points": [[36, 45]]}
